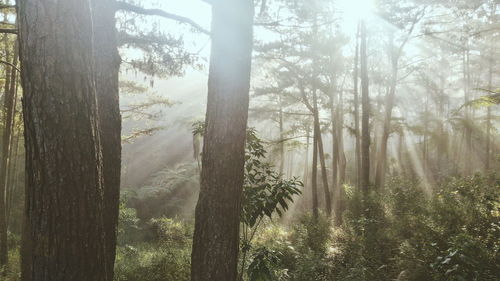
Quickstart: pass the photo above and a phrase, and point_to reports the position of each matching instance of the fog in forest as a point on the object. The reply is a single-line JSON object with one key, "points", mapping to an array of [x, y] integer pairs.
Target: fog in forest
{"points": [[249, 140]]}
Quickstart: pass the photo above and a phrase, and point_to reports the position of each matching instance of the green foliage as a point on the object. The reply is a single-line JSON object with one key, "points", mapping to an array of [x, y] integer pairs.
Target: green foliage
{"points": [[405, 233], [170, 192], [265, 192], [167, 258], [263, 265]]}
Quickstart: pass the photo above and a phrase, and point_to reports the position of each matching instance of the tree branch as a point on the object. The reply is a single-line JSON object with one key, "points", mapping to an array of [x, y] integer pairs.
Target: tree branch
{"points": [[8, 30], [10, 64], [157, 12], [5, 6]]}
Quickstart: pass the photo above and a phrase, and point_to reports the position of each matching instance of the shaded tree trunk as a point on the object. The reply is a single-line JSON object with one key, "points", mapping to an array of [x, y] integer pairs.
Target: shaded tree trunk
{"points": [[217, 215], [340, 194], [356, 112], [12, 177], [335, 151], [8, 112], [63, 222], [468, 120], [321, 152], [335, 160], [389, 105], [488, 115], [107, 66], [365, 104], [314, 174], [282, 137], [13, 139]]}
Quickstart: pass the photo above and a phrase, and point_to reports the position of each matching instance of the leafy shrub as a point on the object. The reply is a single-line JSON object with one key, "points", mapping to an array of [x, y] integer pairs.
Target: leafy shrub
{"points": [[165, 259]]}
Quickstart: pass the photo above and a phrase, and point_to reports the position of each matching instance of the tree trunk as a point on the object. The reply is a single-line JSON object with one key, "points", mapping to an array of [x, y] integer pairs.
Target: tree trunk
{"points": [[356, 112], [107, 66], [340, 194], [319, 139], [12, 177], [335, 154], [12, 143], [468, 120], [365, 122], [389, 104], [282, 141], [7, 112], [306, 160], [314, 174], [488, 114], [63, 222], [217, 215]]}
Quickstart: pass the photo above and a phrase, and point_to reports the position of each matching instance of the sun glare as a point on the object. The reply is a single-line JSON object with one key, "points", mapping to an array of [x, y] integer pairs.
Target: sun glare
{"points": [[356, 9]]}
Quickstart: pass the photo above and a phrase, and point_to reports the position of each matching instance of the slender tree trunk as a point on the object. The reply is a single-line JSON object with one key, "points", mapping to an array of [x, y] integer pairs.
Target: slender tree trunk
{"points": [[389, 105], [319, 140], [488, 115], [13, 141], [63, 222], [365, 122], [468, 129], [217, 215], [282, 142], [306, 161], [314, 173], [356, 112], [12, 178], [335, 153], [8, 110], [107, 66], [340, 194]]}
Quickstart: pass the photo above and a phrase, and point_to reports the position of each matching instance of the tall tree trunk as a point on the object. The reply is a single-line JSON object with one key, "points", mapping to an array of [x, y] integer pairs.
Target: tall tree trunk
{"points": [[314, 174], [365, 122], [468, 121], [356, 112], [12, 177], [217, 215], [12, 144], [488, 114], [107, 67], [8, 112], [306, 158], [282, 141], [389, 105], [319, 139], [340, 194], [63, 222], [335, 151]]}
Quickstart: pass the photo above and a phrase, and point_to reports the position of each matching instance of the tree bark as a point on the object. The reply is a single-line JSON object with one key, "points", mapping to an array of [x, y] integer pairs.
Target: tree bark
{"points": [[314, 174], [217, 215], [356, 112], [319, 139], [340, 194], [282, 141], [8, 112], [13, 141], [107, 66], [389, 105], [488, 114], [468, 130], [63, 223], [365, 122]]}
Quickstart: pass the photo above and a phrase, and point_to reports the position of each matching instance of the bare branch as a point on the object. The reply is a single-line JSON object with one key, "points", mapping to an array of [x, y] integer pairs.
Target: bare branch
{"points": [[8, 30], [5, 6], [10, 64], [157, 12]]}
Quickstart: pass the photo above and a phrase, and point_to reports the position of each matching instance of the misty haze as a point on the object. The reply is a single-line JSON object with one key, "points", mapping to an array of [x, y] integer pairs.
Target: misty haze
{"points": [[249, 140]]}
